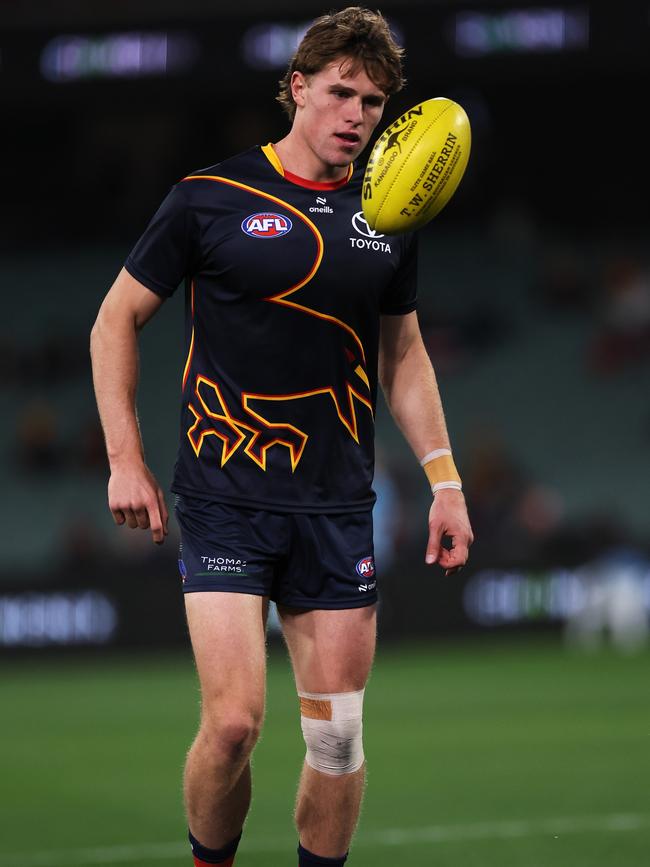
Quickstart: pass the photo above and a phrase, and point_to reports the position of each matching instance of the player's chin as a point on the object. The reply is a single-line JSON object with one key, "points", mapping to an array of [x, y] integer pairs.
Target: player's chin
{"points": [[344, 154], [339, 162]]}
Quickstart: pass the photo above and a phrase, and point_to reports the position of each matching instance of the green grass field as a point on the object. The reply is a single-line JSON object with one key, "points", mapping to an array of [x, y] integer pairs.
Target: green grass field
{"points": [[480, 754]]}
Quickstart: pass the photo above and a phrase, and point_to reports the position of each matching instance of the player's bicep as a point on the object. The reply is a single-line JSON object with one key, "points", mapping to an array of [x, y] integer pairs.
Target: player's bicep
{"points": [[129, 300]]}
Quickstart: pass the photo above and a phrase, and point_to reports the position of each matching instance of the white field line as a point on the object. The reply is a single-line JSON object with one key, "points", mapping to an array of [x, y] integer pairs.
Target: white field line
{"points": [[613, 822]]}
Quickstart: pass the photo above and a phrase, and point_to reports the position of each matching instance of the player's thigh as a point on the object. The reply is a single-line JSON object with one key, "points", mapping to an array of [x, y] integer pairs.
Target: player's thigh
{"points": [[331, 650], [228, 635]]}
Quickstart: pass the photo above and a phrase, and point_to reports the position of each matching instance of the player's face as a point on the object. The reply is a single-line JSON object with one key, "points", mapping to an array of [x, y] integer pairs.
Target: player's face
{"points": [[337, 110]]}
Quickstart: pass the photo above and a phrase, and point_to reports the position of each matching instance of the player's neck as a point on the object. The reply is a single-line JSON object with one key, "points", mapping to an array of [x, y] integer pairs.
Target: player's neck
{"points": [[296, 157]]}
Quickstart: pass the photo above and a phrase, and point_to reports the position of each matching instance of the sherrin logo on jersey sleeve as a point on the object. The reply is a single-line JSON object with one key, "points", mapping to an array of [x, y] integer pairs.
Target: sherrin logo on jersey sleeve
{"points": [[266, 225]]}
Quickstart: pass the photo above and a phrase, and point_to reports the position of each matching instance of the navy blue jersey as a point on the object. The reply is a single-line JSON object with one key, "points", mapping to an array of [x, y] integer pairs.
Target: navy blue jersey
{"points": [[285, 284]]}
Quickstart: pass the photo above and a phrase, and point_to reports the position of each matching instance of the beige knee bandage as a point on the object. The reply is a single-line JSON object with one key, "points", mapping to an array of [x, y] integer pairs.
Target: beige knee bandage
{"points": [[332, 726]]}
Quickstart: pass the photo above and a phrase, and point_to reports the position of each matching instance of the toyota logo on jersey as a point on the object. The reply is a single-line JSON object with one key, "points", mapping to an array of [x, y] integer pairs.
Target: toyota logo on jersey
{"points": [[266, 225], [361, 225]]}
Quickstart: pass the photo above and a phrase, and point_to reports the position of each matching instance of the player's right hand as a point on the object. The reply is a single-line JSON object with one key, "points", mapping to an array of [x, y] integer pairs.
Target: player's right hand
{"points": [[136, 499]]}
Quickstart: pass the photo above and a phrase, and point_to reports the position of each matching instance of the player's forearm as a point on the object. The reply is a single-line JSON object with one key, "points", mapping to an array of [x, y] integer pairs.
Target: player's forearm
{"points": [[114, 354], [412, 394]]}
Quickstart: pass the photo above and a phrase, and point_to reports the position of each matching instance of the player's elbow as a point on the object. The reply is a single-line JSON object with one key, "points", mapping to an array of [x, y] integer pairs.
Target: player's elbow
{"points": [[99, 333], [386, 371], [110, 332], [95, 337]]}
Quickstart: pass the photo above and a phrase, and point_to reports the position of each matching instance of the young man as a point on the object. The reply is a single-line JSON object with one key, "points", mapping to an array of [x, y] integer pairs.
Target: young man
{"points": [[288, 320]]}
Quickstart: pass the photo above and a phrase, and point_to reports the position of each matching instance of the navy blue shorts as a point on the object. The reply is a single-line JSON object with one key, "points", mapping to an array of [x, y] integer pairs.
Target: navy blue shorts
{"points": [[299, 560]]}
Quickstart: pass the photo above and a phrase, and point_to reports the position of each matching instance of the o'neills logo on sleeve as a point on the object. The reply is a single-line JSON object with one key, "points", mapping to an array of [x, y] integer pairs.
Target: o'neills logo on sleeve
{"points": [[266, 225]]}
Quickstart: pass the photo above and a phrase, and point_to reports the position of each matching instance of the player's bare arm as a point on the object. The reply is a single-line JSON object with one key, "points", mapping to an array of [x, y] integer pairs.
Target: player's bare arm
{"points": [[134, 496], [411, 390]]}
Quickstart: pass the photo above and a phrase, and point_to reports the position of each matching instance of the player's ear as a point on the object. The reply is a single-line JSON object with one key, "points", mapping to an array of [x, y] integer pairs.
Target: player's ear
{"points": [[298, 86]]}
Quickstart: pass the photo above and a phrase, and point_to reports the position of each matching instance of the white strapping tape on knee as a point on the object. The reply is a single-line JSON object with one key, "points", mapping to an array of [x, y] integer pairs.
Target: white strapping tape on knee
{"points": [[332, 726]]}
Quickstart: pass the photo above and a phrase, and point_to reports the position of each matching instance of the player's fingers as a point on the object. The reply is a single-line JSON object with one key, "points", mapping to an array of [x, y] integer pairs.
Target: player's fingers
{"points": [[456, 555], [433, 545], [118, 516], [453, 559], [142, 517], [164, 514], [131, 520], [452, 564], [156, 521]]}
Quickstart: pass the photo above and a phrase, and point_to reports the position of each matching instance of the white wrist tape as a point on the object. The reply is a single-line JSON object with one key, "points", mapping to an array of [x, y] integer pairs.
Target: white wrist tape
{"points": [[436, 453], [332, 726], [440, 486]]}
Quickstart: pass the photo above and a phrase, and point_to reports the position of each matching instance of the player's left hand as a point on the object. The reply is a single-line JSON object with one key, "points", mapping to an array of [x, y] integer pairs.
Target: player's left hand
{"points": [[448, 517]]}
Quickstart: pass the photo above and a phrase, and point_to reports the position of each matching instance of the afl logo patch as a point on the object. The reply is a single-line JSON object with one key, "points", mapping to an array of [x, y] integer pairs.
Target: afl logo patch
{"points": [[266, 225], [366, 567]]}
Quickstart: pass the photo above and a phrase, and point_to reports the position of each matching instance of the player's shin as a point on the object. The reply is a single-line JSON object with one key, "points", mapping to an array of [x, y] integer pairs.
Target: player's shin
{"points": [[333, 778]]}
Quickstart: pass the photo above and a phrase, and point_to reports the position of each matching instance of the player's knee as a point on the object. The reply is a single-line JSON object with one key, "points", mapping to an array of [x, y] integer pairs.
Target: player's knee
{"points": [[234, 733], [332, 726]]}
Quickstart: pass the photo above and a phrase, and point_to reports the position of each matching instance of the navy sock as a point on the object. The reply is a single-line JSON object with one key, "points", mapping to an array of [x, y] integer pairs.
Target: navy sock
{"points": [[203, 855], [308, 859]]}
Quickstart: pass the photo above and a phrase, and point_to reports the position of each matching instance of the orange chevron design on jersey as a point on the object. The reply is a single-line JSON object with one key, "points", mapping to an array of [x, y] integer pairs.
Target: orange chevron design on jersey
{"points": [[350, 424], [229, 447], [233, 431], [262, 440]]}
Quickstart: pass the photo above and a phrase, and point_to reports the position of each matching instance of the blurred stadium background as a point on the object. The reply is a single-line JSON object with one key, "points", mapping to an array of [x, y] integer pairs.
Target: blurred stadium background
{"points": [[509, 713]]}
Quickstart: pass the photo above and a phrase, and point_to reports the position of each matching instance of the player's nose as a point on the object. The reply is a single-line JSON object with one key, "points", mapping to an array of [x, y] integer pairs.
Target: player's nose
{"points": [[354, 110]]}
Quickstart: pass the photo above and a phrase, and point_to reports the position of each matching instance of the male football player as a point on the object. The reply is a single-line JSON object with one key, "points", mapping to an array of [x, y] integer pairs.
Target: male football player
{"points": [[294, 311]]}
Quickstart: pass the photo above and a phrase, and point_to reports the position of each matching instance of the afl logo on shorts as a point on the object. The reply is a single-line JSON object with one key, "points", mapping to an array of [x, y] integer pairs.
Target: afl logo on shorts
{"points": [[366, 567], [265, 225]]}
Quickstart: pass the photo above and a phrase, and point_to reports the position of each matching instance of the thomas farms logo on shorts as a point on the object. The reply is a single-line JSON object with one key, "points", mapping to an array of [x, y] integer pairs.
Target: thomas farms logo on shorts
{"points": [[223, 566], [266, 225], [366, 568]]}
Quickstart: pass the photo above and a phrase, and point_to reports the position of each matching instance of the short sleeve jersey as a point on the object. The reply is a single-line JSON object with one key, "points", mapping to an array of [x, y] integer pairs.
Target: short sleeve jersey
{"points": [[284, 284]]}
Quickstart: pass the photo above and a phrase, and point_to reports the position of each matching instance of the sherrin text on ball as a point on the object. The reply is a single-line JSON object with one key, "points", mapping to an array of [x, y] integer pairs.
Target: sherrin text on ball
{"points": [[415, 166]]}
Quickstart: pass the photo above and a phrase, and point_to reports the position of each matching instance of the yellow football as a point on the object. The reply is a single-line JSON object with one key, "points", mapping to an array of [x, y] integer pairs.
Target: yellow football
{"points": [[415, 166]]}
